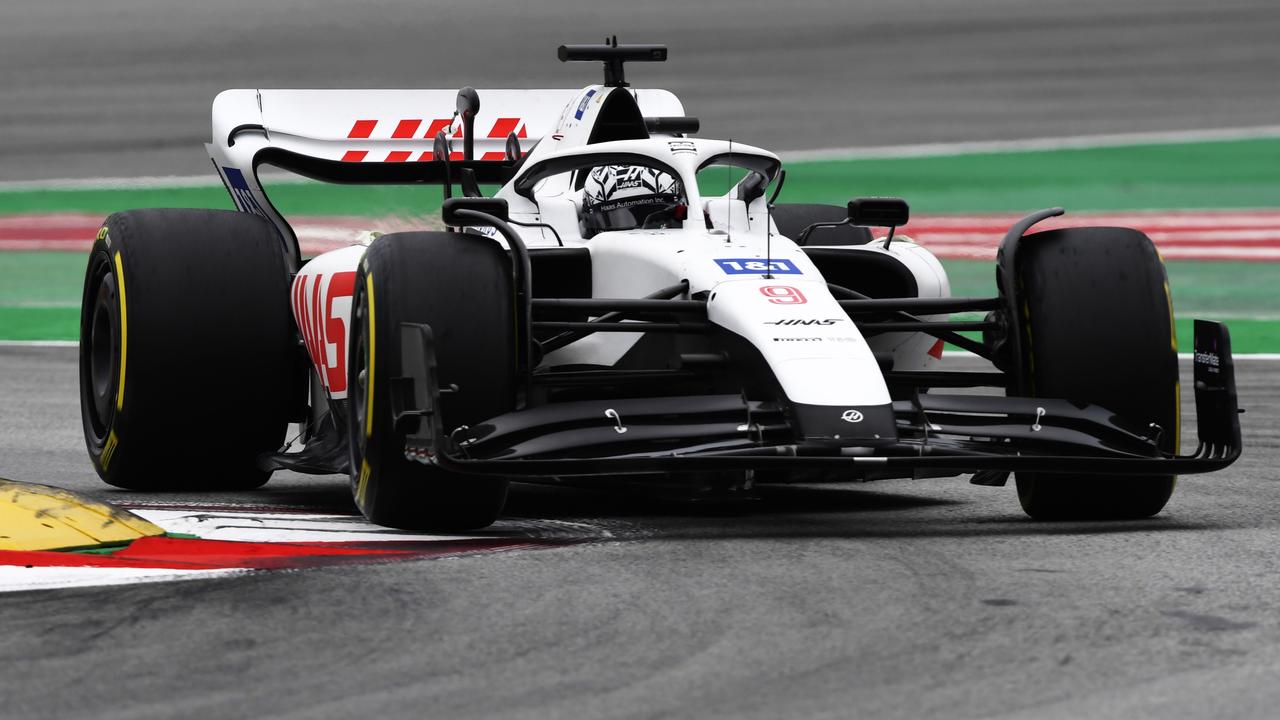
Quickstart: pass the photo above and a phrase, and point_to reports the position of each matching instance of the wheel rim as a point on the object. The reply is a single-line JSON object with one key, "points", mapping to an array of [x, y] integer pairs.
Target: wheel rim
{"points": [[102, 356], [358, 381]]}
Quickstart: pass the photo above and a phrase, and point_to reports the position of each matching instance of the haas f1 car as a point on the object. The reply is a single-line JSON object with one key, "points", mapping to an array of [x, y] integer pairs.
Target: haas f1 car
{"points": [[631, 306]]}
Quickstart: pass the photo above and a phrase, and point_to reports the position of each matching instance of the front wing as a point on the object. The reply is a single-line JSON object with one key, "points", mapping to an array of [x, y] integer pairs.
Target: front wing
{"points": [[939, 434]]}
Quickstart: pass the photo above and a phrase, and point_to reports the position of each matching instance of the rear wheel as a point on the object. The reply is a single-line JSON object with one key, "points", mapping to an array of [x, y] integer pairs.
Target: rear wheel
{"points": [[461, 286], [1097, 327], [186, 348]]}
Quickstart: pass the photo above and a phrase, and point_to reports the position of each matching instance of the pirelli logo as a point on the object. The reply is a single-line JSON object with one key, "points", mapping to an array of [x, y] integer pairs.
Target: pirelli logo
{"points": [[425, 129], [362, 484], [109, 450]]}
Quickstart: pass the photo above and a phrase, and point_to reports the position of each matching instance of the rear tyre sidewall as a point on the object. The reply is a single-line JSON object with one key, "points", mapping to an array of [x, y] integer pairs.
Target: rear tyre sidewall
{"points": [[1097, 327], [461, 286], [188, 309]]}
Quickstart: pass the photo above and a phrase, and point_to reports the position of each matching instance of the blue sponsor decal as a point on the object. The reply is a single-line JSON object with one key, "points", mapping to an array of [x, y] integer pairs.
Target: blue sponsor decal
{"points": [[236, 178], [757, 266], [582, 106], [240, 191]]}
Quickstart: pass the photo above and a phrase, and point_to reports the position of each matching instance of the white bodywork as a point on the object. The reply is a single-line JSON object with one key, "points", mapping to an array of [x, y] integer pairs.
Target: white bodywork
{"points": [[758, 284]]}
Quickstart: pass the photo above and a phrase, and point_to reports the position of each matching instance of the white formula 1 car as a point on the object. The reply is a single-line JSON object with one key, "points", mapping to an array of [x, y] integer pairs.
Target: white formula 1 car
{"points": [[631, 306]]}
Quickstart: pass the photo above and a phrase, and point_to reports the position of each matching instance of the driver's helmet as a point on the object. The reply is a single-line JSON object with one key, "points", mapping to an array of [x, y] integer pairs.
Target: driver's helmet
{"points": [[622, 197]]}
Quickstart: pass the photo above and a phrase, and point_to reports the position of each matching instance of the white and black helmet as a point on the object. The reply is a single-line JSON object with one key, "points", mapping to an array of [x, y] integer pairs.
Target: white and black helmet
{"points": [[622, 197]]}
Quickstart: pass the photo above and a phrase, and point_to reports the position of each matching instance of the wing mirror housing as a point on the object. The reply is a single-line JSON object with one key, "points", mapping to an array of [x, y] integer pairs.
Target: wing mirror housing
{"points": [[468, 103], [887, 212], [468, 106]]}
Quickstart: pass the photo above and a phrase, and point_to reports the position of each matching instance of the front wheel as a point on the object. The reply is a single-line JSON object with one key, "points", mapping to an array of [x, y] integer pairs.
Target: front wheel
{"points": [[461, 286], [1097, 324]]}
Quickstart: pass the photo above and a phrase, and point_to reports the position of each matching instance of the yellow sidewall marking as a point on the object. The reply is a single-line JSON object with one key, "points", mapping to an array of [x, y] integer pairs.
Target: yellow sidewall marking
{"points": [[1177, 383], [109, 450], [124, 331], [371, 344], [363, 485]]}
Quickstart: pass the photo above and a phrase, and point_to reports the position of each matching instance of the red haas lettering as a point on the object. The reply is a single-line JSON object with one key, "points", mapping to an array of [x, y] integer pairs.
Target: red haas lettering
{"points": [[341, 286], [321, 305], [407, 129]]}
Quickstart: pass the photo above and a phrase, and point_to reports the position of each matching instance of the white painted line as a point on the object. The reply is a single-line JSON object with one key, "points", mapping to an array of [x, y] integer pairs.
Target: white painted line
{"points": [[40, 343], [943, 149], [113, 183], [284, 528], [14, 578], [144, 182], [43, 305], [50, 221], [1075, 142], [986, 251], [1241, 356], [1163, 238], [1162, 219]]}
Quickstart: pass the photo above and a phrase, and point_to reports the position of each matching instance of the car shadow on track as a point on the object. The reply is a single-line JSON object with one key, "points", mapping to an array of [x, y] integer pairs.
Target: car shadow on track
{"points": [[916, 509], [818, 512]]}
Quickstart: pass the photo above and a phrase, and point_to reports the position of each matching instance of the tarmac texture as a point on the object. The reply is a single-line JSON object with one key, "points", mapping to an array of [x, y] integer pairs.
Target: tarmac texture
{"points": [[123, 88]]}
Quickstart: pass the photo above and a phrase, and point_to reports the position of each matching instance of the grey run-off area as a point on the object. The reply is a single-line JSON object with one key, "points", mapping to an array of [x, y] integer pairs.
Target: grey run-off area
{"points": [[910, 599], [120, 88]]}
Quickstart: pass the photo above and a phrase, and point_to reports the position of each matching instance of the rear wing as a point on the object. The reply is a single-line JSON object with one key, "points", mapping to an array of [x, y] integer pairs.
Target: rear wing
{"points": [[381, 136]]}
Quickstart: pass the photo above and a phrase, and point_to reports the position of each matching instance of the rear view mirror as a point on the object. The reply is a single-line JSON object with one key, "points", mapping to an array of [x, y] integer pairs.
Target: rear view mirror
{"points": [[468, 103], [879, 212]]}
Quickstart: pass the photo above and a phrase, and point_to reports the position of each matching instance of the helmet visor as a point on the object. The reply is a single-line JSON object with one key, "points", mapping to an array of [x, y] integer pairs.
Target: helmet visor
{"points": [[629, 213]]}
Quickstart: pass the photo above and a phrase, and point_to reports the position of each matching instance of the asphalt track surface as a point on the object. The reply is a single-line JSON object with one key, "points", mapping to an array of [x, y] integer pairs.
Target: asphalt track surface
{"points": [[911, 599], [123, 87], [907, 599]]}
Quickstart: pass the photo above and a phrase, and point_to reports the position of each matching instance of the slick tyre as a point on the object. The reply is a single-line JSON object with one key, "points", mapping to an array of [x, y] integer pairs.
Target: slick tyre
{"points": [[1097, 327], [793, 218], [461, 286], [186, 349]]}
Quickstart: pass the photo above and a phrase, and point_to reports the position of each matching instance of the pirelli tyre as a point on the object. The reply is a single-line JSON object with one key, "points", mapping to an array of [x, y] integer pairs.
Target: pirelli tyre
{"points": [[1097, 327], [461, 286], [793, 218], [186, 349]]}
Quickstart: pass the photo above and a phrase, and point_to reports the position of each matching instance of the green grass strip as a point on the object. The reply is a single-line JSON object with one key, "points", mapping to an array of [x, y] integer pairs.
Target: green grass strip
{"points": [[1247, 336], [42, 278], [1219, 174], [1211, 174], [21, 323], [41, 295], [291, 198], [1205, 289]]}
